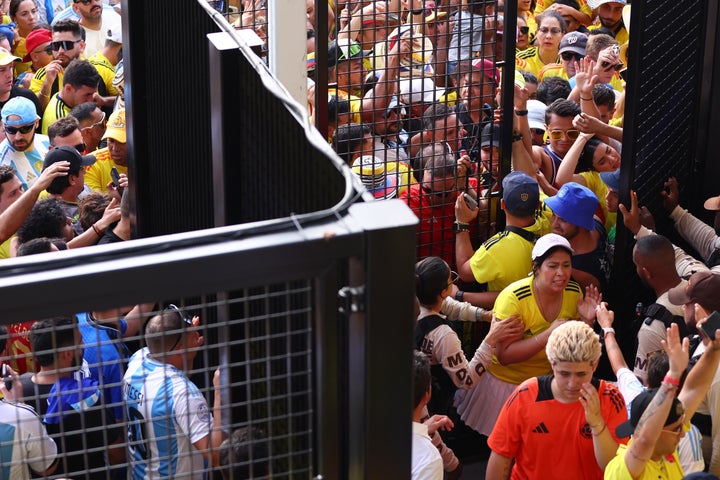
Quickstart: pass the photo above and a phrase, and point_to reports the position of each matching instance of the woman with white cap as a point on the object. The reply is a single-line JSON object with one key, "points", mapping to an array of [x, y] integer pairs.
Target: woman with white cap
{"points": [[543, 301]]}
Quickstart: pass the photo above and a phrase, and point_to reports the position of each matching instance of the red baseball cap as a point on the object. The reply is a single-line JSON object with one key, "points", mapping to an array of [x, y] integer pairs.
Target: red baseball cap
{"points": [[35, 39]]}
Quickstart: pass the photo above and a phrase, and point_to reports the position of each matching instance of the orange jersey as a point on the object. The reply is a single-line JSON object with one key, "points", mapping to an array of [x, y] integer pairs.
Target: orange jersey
{"points": [[549, 439]]}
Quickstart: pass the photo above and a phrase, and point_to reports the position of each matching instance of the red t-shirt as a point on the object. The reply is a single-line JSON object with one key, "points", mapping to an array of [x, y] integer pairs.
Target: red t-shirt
{"points": [[435, 236], [550, 439]]}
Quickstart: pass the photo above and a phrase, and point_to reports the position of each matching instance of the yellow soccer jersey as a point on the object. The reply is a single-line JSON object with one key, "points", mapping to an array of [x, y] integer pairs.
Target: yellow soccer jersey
{"points": [[504, 258], [621, 35], [20, 51], [534, 63], [97, 175], [106, 70], [552, 70], [55, 109], [37, 81], [519, 298]]}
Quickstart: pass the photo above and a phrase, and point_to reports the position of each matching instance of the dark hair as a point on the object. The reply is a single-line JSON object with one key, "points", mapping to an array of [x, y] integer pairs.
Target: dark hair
{"points": [[585, 161], [47, 336], [561, 108], [552, 89], [347, 139], [570, 3], [7, 173], [46, 219], [337, 106], [35, 246], [70, 26], [83, 111], [431, 279], [62, 127], [658, 365], [163, 331], [81, 73], [601, 31], [422, 378], [125, 204], [91, 208], [551, 13], [537, 263], [434, 113], [14, 5], [245, 454], [440, 161], [603, 95], [530, 78]]}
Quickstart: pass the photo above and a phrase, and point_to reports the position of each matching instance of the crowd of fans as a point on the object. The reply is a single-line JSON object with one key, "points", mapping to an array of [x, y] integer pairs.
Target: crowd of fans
{"points": [[413, 108]]}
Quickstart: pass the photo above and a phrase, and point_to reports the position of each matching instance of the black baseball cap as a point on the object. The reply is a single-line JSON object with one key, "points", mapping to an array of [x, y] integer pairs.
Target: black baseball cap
{"points": [[68, 154]]}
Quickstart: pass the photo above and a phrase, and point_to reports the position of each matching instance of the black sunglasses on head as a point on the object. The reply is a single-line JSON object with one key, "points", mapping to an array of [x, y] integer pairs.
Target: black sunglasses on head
{"points": [[524, 30]]}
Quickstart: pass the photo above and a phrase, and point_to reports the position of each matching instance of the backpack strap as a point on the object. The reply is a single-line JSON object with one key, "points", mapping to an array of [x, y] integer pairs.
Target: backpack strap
{"points": [[658, 312], [529, 236], [424, 326]]}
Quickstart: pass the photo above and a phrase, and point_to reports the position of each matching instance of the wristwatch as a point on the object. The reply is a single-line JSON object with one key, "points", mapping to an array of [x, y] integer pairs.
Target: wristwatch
{"points": [[461, 227]]}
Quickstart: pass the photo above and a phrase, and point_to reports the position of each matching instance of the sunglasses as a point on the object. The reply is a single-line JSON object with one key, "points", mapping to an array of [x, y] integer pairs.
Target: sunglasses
{"points": [[24, 129], [99, 123], [557, 134], [80, 147], [453, 277], [567, 56], [524, 30], [64, 44], [606, 66], [537, 131], [84, 2], [184, 317], [553, 30], [48, 50]]}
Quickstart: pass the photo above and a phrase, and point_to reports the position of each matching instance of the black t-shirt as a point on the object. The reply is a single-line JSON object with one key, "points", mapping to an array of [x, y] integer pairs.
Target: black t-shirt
{"points": [[78, 435], [24, 92]]}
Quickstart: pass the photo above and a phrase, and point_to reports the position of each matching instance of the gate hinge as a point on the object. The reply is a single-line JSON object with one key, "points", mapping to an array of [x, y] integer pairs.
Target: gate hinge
{"points": [[352, 299]]}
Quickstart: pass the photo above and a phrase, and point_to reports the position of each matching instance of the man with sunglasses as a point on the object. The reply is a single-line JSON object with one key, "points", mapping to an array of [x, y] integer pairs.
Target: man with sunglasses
{"points": [[92, 125], [67, 45], [23, 148], [604, 51], [98, 176], [561, 135], [159, 396]]}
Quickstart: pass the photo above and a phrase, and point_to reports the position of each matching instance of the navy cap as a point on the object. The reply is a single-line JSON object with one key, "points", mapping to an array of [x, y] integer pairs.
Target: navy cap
{"points": [[521, 194]]}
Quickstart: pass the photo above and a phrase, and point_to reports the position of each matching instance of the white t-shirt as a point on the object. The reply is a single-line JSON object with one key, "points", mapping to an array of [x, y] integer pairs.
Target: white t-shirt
{"points": [[23, 441], [426, 461]]}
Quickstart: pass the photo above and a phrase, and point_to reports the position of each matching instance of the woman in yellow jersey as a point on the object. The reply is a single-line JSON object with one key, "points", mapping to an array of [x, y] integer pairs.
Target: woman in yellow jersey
{"points": [[526, 11], [25, 14], [523, 35], [551, 28], [543, 301]]}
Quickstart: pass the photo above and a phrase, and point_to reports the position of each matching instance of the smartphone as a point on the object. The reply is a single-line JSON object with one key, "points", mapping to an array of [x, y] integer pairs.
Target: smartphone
{"points": [[116, 180], [6, 377], [711, 324], [470, 201]]}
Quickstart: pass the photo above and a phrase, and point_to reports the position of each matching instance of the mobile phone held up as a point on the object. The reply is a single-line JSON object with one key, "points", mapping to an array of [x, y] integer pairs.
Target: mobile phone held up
{"points": [[711, 324], [115, 175], [470, 201]]}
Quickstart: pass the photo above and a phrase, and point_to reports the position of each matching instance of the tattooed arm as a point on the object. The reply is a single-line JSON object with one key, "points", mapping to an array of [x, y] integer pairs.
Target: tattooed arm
{"points": [[652, 421]]}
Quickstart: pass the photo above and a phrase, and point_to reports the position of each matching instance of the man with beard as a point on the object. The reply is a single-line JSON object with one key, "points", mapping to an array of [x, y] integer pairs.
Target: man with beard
{"points": [[96, 21], [114, 155], [22, 148], [82, 435], [8, 89], [80, 86], [610, 13], [68, 44]]}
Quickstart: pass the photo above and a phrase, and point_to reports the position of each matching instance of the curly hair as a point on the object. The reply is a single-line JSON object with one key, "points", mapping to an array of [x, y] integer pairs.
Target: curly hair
{"points": [[573, 341], [46, 219], [91, 208]]}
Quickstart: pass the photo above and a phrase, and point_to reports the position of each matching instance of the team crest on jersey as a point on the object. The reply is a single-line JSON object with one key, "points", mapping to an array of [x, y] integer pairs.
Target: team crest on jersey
{"points": [[586, 431], [204, 413]]}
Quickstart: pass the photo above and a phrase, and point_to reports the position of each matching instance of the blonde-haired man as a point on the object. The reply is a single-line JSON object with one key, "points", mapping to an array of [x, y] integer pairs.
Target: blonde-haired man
{"points": [[560, 425]]}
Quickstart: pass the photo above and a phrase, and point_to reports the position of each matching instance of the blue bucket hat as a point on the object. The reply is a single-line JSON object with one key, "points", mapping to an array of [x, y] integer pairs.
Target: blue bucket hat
{"points": [[575, 204]]}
